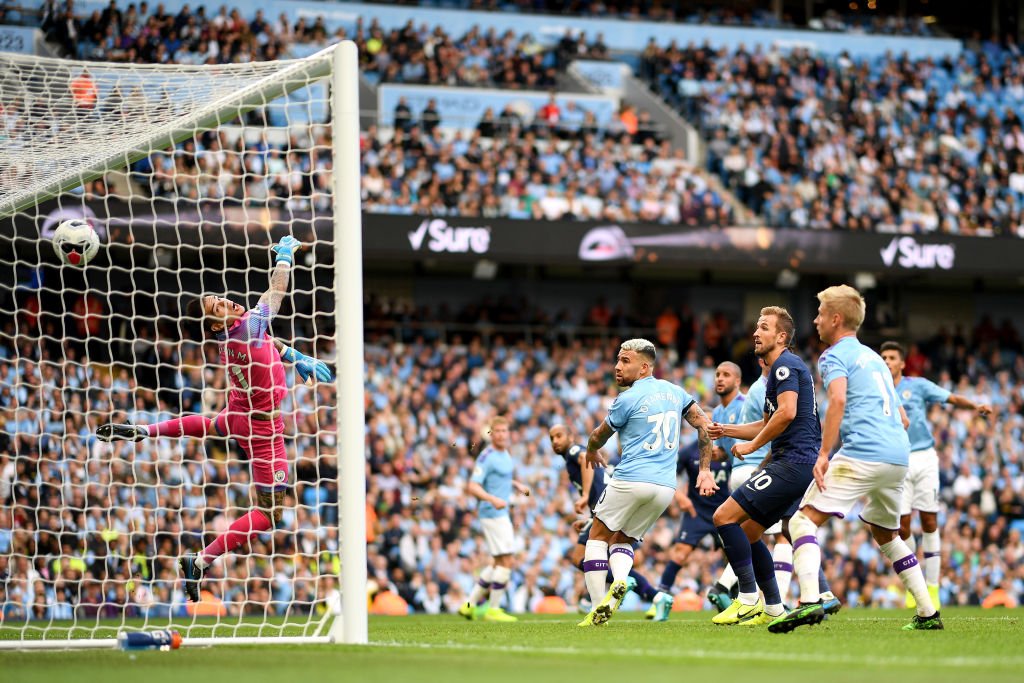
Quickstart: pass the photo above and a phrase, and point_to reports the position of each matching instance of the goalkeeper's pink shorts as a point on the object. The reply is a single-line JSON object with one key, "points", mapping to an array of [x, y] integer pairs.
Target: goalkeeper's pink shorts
{"points": [[262, 441]]}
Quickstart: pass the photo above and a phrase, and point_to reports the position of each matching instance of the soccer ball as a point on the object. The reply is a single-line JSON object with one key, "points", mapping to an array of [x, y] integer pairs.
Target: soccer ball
{"points": [[75, 242]]}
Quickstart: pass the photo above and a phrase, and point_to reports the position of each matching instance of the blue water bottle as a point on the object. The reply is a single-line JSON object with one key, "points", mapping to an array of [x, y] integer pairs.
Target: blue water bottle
{"points": [[152, 640]]}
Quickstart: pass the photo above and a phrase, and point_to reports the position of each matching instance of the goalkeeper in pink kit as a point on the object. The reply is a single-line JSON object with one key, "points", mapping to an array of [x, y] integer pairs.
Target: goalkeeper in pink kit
{"points": [[253, 360]]}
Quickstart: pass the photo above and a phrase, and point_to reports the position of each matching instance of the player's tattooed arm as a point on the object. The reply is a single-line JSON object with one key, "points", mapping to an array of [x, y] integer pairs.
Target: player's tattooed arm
{"points": [[279, 278], [698, 419], [598, 438]]}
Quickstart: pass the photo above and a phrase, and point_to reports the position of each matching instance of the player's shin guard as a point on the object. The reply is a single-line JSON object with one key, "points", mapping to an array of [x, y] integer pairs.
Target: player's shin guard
{"points": [[190, 425], [782, 556], [931, 546], [240, 531], [737, 549], [806, 556], [595, 569], [620, 561], [764, 572], [905, 564], [499, 582], [482, 588]]}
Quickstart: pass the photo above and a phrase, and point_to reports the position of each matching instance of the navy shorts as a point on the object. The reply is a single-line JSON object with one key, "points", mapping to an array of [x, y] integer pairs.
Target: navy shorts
{"points": [[692, 530], [774, 492]]}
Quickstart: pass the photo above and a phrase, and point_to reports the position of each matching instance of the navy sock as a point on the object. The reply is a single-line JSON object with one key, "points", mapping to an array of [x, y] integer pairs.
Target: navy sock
{"points": [[823, 586], [643, 587], [580, 567], [764, 570], [668, 577], [737, 549]]}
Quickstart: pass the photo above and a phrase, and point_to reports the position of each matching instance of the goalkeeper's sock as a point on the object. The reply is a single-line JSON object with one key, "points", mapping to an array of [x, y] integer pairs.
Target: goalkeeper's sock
{"points": [[190, 425], [254, 522]]}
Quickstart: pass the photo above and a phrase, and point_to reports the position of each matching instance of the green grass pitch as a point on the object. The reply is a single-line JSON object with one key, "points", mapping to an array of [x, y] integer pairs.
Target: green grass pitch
{"points": [[857, 645]]}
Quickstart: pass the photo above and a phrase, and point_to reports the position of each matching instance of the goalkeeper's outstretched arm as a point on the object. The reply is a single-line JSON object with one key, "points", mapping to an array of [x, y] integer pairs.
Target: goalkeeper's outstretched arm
{"points": [[280, 275], [309, 368]]}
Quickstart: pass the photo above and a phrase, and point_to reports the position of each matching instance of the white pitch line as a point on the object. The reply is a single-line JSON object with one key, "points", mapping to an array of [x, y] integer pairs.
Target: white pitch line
{"points": [[810, 658]]}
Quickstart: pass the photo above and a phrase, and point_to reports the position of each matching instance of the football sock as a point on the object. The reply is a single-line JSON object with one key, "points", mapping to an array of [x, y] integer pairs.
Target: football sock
{"points": [[727, 580], [764, 573], [250, 524], [190, 425], [737, 549], [595, 569], [911, 542], [668, 577], [643, 587], [499, 581], [930, 544], [905, 564], [782, 555], [620, 561], [482, 588]]}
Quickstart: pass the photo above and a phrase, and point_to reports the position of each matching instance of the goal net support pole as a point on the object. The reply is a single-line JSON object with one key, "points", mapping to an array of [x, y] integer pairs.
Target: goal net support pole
{"points": [[25, 183]]}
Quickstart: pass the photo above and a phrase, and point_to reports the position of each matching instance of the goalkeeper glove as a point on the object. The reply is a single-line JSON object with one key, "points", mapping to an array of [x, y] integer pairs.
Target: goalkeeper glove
{"points": [[309, 368], [286, 249]]}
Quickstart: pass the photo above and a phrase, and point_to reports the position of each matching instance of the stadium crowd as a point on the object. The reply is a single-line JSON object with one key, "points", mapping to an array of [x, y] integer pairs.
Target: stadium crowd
{"points": [[90, 529], [887, 144]]}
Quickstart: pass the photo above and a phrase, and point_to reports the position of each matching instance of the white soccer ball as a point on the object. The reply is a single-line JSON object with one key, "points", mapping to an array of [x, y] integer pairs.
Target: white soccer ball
{"points": [[75, 242]]}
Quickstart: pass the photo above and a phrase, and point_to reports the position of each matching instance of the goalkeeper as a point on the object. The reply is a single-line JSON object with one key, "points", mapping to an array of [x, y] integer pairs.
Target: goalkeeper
{"points": [[252, 417]]}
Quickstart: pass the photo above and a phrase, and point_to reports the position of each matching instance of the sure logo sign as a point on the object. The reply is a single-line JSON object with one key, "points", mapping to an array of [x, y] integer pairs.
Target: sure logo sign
{"points": [[447, 239], [908, 253]]}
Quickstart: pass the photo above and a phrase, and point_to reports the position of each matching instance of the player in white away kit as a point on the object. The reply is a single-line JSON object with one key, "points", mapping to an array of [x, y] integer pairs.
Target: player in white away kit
{"points": [[865, 412], [492, 484], [921, 489], [647, 417]]}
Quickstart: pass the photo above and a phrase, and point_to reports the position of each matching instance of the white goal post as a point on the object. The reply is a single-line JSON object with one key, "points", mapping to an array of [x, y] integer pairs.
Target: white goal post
{"points": [[189, 174]]}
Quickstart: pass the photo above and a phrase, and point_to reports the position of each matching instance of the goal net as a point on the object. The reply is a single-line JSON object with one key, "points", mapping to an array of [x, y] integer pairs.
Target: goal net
{"points": [[189, 175]]}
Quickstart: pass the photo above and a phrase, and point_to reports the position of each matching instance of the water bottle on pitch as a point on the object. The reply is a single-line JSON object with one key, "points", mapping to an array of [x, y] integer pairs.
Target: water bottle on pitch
{"points": [[151, 640]]}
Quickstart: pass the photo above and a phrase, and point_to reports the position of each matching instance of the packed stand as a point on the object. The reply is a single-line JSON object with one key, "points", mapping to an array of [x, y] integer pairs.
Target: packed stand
{"points": [[890, 145], [90, 529]]}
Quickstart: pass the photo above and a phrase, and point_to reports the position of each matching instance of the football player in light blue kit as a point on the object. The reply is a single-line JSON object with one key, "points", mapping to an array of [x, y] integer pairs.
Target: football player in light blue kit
{"points": [[865, 412], [921, 489], [647, 417], [492, 484]]}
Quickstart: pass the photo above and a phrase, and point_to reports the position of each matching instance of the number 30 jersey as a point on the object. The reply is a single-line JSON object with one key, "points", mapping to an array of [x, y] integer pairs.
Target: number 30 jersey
{"points": [[871, 429], [647, 417]]}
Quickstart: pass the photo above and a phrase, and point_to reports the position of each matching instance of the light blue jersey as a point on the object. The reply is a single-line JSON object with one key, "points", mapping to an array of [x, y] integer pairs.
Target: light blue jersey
{"points": [[494, 471], [730, 415], [647, 417], [753, 411], [917, 393], [871, 429]]}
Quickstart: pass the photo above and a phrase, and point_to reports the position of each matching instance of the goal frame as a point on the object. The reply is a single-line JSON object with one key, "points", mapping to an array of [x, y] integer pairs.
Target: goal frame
{"points": [[340, 64]]}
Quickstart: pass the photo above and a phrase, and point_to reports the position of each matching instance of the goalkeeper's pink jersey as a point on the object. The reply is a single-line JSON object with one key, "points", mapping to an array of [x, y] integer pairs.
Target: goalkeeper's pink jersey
{"points": [[253, 364]]}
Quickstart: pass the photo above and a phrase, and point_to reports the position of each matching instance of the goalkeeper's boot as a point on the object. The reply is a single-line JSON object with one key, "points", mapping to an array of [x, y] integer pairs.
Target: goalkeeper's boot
{"points": [[804, 615], [121, 432], [499, 615], [662, 606], [929, 623], [193, 575], [719, 598], [467, 611], [738, 613], [830, 603]]}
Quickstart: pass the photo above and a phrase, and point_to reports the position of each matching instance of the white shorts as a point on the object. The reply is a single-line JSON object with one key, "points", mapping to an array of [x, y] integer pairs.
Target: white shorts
{"points": [[500, 537], [632, 507], [849, 479], [739, 476], [921, 490]]}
